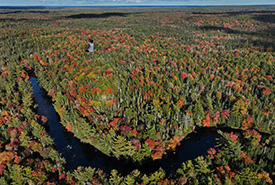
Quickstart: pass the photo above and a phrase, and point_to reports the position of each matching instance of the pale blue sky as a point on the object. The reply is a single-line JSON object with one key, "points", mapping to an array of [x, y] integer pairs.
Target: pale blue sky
{"points": [[132, 2]]}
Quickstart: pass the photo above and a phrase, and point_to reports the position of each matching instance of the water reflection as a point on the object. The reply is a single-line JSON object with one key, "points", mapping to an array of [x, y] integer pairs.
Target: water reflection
{"points": [[194, 145], [75, 152]]}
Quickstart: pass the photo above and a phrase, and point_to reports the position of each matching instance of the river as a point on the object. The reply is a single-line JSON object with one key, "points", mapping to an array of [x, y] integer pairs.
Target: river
{"points": [[77, 153]]}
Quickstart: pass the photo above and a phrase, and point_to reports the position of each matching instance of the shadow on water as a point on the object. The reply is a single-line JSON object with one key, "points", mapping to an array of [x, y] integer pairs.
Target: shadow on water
{"points": [[102, 15], [77, 153]]}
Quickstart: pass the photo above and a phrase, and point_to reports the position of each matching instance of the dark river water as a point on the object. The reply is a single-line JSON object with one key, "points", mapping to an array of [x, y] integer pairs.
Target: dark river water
{"points": [[77, 153]]}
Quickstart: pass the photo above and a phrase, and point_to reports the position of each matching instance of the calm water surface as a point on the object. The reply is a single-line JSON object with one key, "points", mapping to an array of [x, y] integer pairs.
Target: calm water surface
{"points": [[77, 153]]}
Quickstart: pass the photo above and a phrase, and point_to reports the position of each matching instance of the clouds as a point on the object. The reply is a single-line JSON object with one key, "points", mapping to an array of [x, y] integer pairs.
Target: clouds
{"points": [[130, 2]]}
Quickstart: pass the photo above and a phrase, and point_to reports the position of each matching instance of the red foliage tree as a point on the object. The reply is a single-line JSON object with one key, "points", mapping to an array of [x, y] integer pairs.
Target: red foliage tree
{"points": [[125, 129], [206, 122]]}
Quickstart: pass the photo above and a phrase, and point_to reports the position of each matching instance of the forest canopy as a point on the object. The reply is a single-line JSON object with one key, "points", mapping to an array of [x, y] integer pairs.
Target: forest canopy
{"points": [[155, 76]]}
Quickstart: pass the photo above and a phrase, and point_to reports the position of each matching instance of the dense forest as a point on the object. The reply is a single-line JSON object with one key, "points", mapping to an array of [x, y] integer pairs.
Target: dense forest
{"points": [[157, 74]]}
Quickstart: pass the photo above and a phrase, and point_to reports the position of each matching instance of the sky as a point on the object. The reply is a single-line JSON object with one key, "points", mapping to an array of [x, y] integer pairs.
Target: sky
{"points": [[132, 2]]}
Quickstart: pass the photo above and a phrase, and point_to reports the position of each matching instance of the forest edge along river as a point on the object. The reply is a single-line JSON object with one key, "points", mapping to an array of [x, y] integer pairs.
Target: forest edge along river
{"points": [[77, 153]]}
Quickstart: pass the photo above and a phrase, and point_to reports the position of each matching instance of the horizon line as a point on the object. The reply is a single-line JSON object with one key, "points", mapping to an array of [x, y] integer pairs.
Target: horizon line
{"points": [[45, 6]]}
